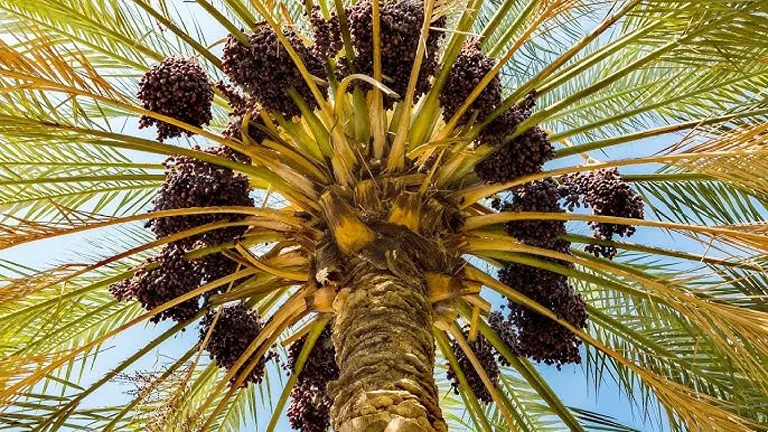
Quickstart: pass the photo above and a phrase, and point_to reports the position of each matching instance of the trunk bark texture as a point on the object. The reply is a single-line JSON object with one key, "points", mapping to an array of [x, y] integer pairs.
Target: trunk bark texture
{"points": [[384, 344]]}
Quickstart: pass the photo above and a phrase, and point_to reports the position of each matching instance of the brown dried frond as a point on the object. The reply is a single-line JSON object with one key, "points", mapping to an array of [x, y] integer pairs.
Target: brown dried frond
{"points": [[19, 288], [163, 395]]}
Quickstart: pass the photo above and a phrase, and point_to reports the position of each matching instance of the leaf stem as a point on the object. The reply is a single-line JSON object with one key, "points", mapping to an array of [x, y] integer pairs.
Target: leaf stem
{"points": [[662, 130], [76, 179], [472, 194], [179, 33], [396, 158], [511, 30], [218, 16], [499, 16]]}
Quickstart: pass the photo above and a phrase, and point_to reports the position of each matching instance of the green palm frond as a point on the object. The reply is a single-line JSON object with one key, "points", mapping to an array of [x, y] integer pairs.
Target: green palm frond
{"points": [[701, 201]]}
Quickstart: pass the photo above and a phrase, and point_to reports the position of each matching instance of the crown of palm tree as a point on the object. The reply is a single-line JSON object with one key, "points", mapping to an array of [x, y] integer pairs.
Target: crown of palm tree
{"points": [[352, 180]]}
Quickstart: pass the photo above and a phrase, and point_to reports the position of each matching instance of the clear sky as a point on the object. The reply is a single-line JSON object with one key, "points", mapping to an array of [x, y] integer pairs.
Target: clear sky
{"points": [[570, 383]]}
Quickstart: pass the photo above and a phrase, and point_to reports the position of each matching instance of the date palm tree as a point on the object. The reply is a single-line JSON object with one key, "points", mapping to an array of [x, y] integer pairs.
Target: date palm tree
{"points": [[402, 206]]}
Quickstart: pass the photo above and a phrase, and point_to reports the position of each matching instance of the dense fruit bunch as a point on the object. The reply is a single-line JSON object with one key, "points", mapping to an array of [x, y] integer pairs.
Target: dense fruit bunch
{"points": [[495, 133], [310, 409], [400, 24], [524, 155], [539, 337], [176, 275], [266, 71], [153, 287], [534, 335], [233, 333], [177, 88], [486, 356], [470, 67], [242, 105], [538, 196], [606, 192], [191, 182], [504, 329], [214, 266], [326, 33]]}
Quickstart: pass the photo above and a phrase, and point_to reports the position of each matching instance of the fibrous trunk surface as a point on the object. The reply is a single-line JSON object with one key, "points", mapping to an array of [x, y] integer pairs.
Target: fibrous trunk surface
{"points": [[386, 354]]}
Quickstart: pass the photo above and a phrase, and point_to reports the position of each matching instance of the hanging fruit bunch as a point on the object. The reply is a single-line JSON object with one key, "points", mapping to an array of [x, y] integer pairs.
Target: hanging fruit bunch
{"points": [[229, 334], [190, 183], [163, 279], [400, 31], [606, 192], [178, 88], [310, 408], [486, 355], [266, 72]]}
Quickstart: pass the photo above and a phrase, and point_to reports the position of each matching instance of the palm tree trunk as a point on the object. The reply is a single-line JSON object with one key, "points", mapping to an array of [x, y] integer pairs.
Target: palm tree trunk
{"points": [[386, 354]]}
